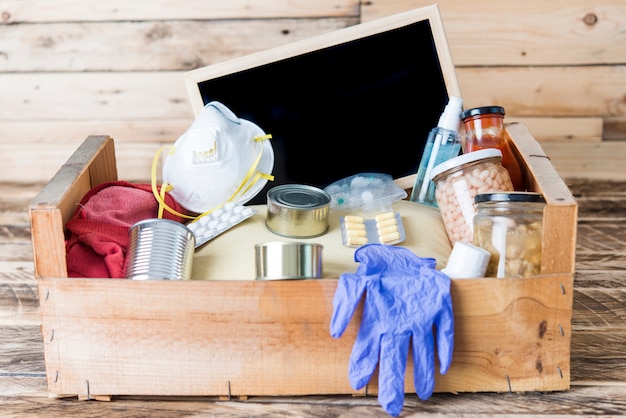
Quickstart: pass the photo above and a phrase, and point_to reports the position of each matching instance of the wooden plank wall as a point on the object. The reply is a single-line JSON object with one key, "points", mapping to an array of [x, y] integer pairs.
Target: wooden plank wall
{"points": [[71, 68]]}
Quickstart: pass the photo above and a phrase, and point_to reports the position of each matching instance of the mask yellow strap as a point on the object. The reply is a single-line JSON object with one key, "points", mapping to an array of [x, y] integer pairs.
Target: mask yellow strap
{"points": [[164, 188], [251, 177]]}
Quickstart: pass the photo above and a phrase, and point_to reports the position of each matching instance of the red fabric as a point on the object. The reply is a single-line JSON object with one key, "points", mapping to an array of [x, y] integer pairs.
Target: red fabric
{"points": [[98, 231]]}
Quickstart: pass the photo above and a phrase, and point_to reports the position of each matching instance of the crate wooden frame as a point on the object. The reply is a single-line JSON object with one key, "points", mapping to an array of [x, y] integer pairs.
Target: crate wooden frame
{"points": [[106, 337]]}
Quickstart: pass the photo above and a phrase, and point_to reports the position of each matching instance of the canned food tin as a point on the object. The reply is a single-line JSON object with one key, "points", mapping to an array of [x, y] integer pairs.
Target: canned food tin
{"points": [[288, 260], [159, 249], [297, 211]]}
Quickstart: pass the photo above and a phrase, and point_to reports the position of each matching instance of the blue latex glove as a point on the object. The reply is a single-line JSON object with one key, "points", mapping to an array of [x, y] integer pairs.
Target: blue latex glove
{"points": [[405, 297]]}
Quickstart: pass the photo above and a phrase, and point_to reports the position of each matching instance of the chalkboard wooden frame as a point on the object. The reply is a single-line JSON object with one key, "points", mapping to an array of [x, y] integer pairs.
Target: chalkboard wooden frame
{"points": [[360, 99]]}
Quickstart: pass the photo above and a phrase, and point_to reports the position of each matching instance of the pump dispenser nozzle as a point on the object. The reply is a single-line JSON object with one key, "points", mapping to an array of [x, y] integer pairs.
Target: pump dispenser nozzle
{"points": [[451, 117]]}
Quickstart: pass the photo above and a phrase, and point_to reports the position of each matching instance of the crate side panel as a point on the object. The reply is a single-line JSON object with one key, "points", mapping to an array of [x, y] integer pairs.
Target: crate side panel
{"points": [[48, 242], [511, 334], [561, 212], [194, 338], [272, 338], [91, 164]]}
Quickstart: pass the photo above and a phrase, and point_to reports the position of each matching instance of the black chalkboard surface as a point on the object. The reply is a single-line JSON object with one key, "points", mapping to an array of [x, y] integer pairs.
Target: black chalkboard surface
{"points": [[361, 99]]}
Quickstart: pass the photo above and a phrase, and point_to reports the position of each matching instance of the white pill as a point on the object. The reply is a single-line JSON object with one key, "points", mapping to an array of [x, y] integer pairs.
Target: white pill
{"points": [[356, 240], [356, 233], [353, 218], [394, 236], [388, 230], [386, 222], [353, 225], [384, 216]]}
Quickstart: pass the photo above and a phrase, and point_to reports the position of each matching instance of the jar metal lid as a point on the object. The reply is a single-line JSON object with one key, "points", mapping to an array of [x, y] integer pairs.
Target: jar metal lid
{"points": [[522, 197], [298, 196], [469, 157], [485, 110]]}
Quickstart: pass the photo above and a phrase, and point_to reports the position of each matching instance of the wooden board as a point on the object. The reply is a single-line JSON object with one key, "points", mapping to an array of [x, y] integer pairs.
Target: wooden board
{"points": [[567, 61]]}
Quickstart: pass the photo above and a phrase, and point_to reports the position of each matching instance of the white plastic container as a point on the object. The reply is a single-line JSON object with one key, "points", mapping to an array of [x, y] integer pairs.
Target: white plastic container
{"points": [[467, 261]]}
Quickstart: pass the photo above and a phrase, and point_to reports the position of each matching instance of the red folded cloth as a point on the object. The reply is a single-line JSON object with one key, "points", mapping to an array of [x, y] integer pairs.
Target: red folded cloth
{"points": [[98, 231]]}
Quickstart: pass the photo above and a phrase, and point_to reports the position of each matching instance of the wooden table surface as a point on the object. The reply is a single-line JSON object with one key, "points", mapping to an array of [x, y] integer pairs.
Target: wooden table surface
{"points": [[598, 351]]}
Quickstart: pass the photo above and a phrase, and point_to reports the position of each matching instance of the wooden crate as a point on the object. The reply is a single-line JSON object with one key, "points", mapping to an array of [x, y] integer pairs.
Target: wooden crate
{"points": [[107, 337]]}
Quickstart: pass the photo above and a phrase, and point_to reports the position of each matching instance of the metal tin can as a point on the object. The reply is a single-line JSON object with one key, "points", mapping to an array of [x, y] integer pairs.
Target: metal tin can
{"points": [[288, 260], [297, 211], [509, 226], [159, 249]]}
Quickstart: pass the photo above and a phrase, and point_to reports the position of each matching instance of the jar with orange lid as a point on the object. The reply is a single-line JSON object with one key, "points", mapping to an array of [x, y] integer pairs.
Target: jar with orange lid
{"points": [[484, 128]]}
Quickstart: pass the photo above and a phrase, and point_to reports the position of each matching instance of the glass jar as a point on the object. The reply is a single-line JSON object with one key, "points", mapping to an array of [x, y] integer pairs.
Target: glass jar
{"points": [[484, 128], [459, 180], [509, 226]]}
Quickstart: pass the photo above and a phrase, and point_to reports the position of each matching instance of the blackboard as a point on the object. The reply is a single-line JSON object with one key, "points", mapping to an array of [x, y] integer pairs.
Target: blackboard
{"points": [[361, 99]]}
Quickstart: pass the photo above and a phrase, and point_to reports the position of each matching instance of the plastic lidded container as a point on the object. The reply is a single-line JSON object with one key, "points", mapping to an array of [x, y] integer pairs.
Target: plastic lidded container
{"points": [[459, 180], [484, 128], [509, 226]]}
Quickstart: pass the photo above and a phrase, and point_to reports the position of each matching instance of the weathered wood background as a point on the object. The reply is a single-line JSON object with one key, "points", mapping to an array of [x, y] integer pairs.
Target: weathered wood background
{"points": [[70, 68]]}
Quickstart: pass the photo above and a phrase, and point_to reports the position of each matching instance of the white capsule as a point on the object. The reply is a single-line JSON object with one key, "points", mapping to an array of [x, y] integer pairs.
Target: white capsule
{"points": [[356, 240], [384, 216], [393, 236]]}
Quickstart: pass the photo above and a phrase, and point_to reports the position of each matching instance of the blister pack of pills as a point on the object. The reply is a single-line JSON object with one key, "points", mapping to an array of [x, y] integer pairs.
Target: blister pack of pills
{"points": [[220, 220], [384, 228]]}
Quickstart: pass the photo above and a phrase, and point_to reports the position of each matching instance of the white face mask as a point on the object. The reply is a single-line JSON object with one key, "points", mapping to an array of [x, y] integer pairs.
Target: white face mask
{"points": [[220, 158]]}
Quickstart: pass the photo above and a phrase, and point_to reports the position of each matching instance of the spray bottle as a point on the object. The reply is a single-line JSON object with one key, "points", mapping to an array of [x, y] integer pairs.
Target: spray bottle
{"points": [[442, 144]]}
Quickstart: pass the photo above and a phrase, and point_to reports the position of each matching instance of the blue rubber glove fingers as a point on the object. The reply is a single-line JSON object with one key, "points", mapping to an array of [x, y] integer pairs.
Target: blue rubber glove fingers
{"points": [[443, 318], [365, 353], [350, 288], [444, 323], [437, 294], [393, 359], [424, 364]]}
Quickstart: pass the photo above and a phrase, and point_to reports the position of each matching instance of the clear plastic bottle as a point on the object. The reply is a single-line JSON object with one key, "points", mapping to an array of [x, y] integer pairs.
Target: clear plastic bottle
{"points": [[442, 144]]}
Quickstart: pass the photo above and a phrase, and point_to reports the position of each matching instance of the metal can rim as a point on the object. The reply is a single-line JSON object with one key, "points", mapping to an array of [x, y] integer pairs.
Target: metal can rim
{"points": [[278, 196]]}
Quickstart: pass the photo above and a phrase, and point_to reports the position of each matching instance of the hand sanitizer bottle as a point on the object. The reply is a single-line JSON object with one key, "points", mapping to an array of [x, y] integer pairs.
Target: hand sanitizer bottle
{"points": [[442, 144]]}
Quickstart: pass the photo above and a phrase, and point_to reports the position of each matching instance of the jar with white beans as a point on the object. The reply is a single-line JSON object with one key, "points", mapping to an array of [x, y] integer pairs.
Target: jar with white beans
{"points": [[509, 226], [459, 180]]}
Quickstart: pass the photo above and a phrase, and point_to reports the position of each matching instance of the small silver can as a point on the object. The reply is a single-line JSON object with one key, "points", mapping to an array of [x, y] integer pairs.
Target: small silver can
{"points": [[159, 249], [288, 260], [297, 211]]}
